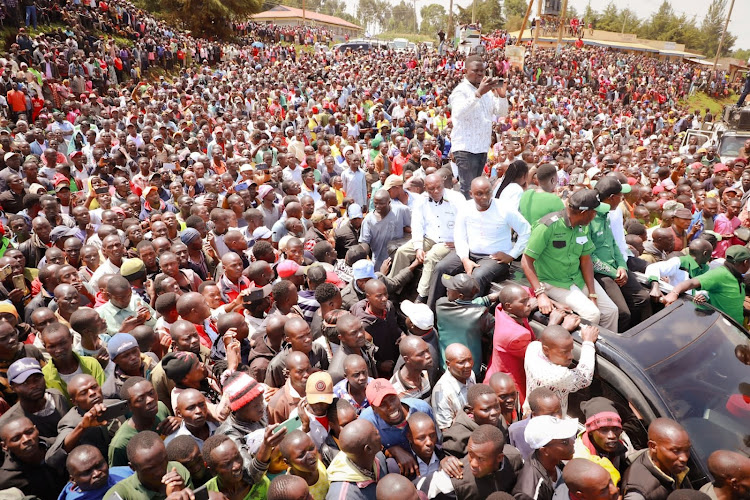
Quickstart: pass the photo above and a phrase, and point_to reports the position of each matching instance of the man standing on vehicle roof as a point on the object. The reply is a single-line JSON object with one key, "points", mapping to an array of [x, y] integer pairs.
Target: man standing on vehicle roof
{"points": [[724, 284], [557, 262]]}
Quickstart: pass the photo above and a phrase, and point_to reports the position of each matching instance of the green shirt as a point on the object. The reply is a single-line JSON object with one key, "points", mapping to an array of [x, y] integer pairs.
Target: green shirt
{"points": [[725, 292], [88, 365], [690, 266], [606, 257], [557, 249], [114, 316], [259, 491], [117, 448], [536, 204], [131, 488]]}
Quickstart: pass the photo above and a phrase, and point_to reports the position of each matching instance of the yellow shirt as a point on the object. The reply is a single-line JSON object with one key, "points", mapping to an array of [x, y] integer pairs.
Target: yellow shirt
{"points": [[319, 490]]}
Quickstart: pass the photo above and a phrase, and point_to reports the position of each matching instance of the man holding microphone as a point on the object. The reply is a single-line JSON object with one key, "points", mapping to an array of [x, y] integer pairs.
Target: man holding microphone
{"points": [[475, 103]]}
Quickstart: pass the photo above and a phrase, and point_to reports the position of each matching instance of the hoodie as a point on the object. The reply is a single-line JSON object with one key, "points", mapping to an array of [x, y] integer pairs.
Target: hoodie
{"points": [[509, 344], [348, 483]]}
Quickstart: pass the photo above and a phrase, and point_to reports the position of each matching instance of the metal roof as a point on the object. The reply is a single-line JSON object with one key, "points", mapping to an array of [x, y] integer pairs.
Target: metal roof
{"points": [[285, 12]]}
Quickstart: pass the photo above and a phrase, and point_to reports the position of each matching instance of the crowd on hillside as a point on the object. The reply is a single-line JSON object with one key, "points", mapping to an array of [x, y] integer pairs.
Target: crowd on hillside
{"points": [[268, 275]]}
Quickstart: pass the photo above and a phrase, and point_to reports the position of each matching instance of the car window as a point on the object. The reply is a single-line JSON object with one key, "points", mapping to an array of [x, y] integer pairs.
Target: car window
{"points": [[707, 386]]}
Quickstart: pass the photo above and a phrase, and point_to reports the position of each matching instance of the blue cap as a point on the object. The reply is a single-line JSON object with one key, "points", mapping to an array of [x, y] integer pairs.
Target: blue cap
{"points": [[363, 269], [22, 369], [120, 343]]}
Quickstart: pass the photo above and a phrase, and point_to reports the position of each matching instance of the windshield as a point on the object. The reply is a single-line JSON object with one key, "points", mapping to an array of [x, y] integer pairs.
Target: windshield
{"points": [[707, 386], [400, 44], [731, 144]]}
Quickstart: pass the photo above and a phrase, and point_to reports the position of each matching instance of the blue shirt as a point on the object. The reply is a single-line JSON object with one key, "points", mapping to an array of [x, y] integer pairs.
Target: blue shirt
{"points": [[390, 435], [116, 474]]}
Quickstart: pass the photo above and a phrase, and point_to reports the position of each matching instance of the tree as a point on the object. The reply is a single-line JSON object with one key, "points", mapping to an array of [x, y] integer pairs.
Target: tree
{"points": [[487, 12], [374, 15], [210, 18], [434, 18], [608, 20], [403, 18], [712, 27], [515, 7]]}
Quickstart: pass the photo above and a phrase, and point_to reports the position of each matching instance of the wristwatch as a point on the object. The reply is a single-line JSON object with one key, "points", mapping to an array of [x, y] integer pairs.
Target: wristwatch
{"points": [[593, 296]]}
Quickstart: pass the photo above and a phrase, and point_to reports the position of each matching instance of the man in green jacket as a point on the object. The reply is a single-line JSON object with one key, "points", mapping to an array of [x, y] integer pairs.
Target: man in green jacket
{"points": [[610, 268], [58, 341]]}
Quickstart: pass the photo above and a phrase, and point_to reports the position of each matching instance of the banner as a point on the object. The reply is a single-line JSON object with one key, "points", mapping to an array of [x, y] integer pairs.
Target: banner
{"points": [[515, 55]]}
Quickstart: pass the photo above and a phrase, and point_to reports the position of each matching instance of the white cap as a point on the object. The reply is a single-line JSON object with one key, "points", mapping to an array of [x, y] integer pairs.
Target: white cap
{"points": [[363, 269], [420, 314], [261, 233], [545, 428], [346, 149], [590, 173], [354, 211]]}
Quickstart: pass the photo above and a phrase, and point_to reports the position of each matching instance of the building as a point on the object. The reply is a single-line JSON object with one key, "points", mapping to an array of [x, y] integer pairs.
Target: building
{"points": [[283, 15], [625, 42]]}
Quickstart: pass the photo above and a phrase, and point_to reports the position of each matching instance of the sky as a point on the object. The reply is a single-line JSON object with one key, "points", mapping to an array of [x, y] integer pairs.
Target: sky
{"points": [[644, 8]]}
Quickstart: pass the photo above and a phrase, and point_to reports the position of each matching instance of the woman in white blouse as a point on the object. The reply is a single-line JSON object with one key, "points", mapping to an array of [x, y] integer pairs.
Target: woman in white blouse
{"points": [[509, 189]]}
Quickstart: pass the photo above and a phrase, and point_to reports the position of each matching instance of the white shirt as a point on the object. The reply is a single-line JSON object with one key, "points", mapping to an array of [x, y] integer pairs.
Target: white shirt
{"points": [[511, 195], [449, 396], [106, 267], [435, 221], [489, 231], [618, 231], [473, 117], [541, 372], [292, 175]]}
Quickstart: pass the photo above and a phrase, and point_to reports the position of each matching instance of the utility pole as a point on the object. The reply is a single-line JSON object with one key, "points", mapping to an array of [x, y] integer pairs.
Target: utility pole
{"points": [[450, 23], [562, 24], [473, 11], [537, 28], [721, 40], [304, 16], [525, 20]]}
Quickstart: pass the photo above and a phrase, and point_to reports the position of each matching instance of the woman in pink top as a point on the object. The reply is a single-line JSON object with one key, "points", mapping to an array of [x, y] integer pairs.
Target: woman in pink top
{"points": [[725, 225]]}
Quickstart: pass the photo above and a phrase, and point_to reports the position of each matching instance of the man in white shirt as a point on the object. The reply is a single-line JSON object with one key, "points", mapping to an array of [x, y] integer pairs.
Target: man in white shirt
{"points": [[546, 363], [474, 109], [432, 223], [449, 396], [482, 239]]}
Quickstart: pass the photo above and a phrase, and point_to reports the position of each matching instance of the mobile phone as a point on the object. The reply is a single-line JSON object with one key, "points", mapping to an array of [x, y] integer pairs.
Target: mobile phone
{"points": [[5, 272], [290, 424], [168, 166], [499, 83], [201, 493], [19, 282], [240, 186], [114, 410]]}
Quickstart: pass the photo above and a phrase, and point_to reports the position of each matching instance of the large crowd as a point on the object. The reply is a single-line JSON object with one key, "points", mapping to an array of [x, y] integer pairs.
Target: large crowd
{"points": [[290, 274]]}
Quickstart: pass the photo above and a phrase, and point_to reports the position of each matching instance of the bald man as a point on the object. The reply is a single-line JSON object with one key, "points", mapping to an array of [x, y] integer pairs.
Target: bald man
{"points": [[90, 475], [547, 362], [678, 269], [660, 469], [293, 390], [288, 487], [232, 282], [586, 480], [731, 472], [193, 307], [423, 440], [483, 245], [378, 317], [507, 393], [382, 225], [412, 380], [354, 472], [660, 247], [299, 339], [432, 221], [193, 410], [396, 486]]}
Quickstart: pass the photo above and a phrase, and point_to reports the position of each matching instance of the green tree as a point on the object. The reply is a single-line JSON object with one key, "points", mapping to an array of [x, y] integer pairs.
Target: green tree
{"points": [[374, 15], [403, 18], [608, 20], [209, 18], [591, 16], [712, 27], [743, 54], [516, 7], [487, 12], [434, 18]]}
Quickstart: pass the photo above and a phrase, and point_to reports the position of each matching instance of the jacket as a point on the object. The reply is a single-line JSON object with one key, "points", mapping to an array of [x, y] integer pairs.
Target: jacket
{"points": [[472, 488], [260, 356], [456, 440], [585, 449], [348, 483], [350, 295], [646, 479], [336, 368], [509, 343], [98, 437], [534, 482], [89, 366], [385, 332], [38, 480]]}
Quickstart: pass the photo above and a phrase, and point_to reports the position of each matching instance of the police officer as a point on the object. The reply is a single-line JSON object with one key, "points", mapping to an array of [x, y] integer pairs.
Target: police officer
{"points": [[557, 262]]}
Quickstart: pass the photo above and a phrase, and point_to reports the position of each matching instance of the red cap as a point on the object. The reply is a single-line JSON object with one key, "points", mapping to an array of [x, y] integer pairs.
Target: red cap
{"points": [[288, 268], [720, 167], [379, 389]]}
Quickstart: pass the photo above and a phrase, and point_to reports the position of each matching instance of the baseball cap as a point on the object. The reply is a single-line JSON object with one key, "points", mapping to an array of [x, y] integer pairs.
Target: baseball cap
{"points": [[256, 294], [545, 428], [585, 199], [610, 185], [318, 217], [425, 157], [738, 253], [420, 314], [462, 283], [261, 233], [120, 343], [246, 168], [377, 390], [355, 211], [10, 155], [720, 167], [393, 180], [61, 232], [319, 388], [363, 269], [683, 213], [289, 268], [131, 267], [22, 369]]}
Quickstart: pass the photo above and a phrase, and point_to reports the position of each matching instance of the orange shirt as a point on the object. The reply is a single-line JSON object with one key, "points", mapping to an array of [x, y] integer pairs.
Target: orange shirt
{"points": [[17, 101]]}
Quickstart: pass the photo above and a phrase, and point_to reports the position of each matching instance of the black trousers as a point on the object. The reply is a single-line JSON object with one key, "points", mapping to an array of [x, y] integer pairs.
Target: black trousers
{"points": [[489, 271], [632, 300]]}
